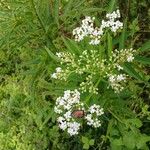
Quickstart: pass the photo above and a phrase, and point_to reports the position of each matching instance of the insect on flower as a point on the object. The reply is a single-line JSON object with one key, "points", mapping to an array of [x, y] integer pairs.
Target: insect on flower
{"points": [[78, 113]]}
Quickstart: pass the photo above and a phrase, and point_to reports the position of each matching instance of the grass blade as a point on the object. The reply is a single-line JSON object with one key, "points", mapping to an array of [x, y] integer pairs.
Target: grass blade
{"points": [[55, 58], [56, 11], [131, 71], [146, 46], [123, 36], [143, 60], [111, 6], [110, 45]]}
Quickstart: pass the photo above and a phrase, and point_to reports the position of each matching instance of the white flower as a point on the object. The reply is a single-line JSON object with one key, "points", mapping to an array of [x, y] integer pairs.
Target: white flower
{"points": [[96, 109], [130, 58], [62, 123], [57, 73], [96, 123], [119, 67], [73, 128], [65, 107], [88, 117], [54, 75], [58, 54], [94, 41], [115, 81], [121, 77], [112, 78], [58, 70], [67, 115], [94, 112], [123, 55], [114, 15], [57, 110], [67, 94], [87, 28]]}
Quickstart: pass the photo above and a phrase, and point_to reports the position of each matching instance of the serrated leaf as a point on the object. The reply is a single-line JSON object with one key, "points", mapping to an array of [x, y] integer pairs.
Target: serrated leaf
{"points": [[141, 142], [136, 122], [118, 142], [129, 140]]}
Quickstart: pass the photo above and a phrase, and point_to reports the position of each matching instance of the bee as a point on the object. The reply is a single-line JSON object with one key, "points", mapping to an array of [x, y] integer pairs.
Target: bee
{"points": [[78, 113]]}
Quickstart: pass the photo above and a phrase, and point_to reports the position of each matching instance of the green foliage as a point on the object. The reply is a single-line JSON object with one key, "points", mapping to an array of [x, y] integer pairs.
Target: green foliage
{"points": [[31, 32], [87, 143]]}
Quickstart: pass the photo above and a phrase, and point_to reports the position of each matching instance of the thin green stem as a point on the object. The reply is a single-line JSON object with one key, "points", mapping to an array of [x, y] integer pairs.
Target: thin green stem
{"points": [[88, 98]]}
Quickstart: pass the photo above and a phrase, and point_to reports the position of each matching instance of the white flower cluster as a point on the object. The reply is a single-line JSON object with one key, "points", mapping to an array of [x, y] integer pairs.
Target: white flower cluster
{"points": [[70, 99], [123, 55], [91, 64], [95, 33], [116, 81], [94, 112], [118, 58], [87, 62], [88, 85], [57, 74], [86, 28], [65, 107], [111, 23], [65, 57]]}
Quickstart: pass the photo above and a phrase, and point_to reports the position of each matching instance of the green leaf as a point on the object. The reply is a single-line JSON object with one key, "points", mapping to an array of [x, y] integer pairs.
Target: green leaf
{"points": [[135, 121], [118, 142], [85, 140], [146, 46], [143, 60], [91, 142], [129, 140], [142, 140], [131, 71], [71, 46], [68, 7], [111, 6], [55, 58], [86, 146], [47, 119]]}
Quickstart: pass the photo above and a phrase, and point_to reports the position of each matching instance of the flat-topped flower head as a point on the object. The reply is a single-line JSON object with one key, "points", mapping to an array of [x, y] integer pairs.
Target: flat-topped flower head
{"points": [[93, 114], [87, 28], [115, 81], [71, 110]]}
